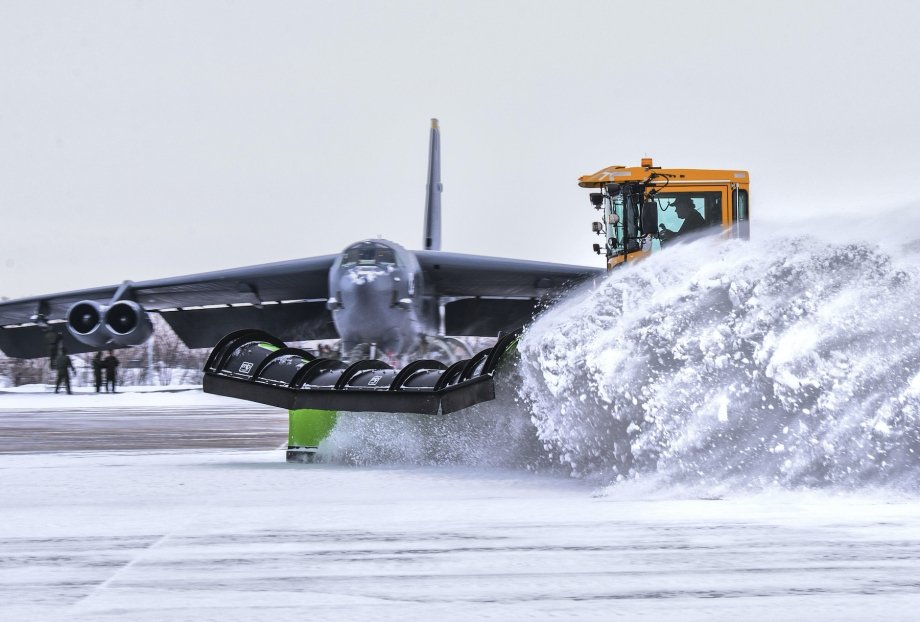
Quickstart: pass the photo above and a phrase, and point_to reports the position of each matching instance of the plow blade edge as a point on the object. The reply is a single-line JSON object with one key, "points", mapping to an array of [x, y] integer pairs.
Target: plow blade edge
{"points": [[252, 365]]}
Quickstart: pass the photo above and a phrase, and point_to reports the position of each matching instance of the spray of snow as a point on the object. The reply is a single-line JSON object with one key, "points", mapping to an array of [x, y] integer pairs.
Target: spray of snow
{"points": [[785, 360], [789, 360]]}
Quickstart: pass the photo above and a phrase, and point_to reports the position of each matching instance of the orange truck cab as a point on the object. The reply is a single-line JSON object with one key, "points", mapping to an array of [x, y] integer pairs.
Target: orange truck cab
{"points": [[644, 208]]}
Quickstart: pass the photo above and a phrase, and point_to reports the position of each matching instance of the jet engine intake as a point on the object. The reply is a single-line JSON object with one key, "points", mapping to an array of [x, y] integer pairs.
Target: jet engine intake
{"points": [[128, 323], [85, 323]]}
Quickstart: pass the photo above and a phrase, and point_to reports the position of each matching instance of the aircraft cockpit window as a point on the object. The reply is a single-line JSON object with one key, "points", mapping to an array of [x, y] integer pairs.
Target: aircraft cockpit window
{"points": [[369, 255], [385, 255]]}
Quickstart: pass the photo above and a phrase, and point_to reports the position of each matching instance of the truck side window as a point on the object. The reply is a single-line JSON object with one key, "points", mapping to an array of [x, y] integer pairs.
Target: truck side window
{"points": [[713, 209], [708, 205], [742, 215]]}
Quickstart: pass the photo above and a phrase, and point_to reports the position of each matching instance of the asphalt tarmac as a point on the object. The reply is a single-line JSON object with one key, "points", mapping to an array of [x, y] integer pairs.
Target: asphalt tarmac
{"points": [[246, 426]]}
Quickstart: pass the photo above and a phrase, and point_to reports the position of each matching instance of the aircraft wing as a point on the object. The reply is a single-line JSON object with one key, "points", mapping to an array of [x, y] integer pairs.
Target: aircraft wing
{"points": [[457, 274], [494, 294], [287, 296]]}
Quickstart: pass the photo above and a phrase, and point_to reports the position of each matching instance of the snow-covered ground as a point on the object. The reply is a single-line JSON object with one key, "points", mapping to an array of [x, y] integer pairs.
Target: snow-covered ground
{"points": [[170, 532], [240, 535], [43, 397]]}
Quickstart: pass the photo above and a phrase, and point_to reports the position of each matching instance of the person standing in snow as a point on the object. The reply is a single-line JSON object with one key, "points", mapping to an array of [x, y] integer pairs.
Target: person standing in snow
{"points": [[97, 371], [110, 363], [64, 367]]}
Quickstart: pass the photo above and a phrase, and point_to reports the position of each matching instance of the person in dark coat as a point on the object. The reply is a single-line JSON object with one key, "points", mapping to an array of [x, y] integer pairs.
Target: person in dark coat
{"points": [[686, 211], [110, 363], [64, 367], [97, 371]]}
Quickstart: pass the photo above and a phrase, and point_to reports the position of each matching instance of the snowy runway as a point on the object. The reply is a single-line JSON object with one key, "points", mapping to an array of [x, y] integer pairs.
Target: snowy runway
{"points": [[237, 534]]}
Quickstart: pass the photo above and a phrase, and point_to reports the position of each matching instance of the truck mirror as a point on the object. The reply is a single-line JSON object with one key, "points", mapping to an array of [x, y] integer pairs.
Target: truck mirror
{"points": [[650, 217], [597, 248], [597, 199]]}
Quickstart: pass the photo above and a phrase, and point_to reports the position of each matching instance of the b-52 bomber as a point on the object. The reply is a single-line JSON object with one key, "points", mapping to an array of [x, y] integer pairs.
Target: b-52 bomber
{"points": [[375, 295]]}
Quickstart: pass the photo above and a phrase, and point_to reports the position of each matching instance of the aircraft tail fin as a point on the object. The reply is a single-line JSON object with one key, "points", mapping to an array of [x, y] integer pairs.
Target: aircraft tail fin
{"points": [[433, 200]]}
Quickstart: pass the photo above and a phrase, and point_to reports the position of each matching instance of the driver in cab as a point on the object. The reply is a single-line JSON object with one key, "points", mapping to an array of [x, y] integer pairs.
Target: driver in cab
{"points": [[693, 220]]}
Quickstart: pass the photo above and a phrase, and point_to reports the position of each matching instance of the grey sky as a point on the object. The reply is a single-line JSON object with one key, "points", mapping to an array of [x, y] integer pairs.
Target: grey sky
{"points": [[149, 139]]}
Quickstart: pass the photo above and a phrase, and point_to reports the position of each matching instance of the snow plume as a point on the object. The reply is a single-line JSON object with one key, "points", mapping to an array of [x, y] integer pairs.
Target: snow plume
{"points": [[785, 360], [789, 360]]}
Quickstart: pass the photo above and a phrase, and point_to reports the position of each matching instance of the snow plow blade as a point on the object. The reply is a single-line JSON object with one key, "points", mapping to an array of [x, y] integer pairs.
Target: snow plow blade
{"points": [[252, 365]]}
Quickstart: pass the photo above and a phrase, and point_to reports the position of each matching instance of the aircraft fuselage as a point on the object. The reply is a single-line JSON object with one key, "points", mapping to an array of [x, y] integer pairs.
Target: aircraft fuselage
{"points": [[376, 297]]}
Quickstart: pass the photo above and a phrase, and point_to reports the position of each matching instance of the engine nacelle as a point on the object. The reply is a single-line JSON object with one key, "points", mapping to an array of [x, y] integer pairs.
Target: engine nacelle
{"points": [[85, 321], [127, 323]]}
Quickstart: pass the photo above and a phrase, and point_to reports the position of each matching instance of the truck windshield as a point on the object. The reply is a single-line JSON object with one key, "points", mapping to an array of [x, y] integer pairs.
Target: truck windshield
{"points": [[621, 224]]}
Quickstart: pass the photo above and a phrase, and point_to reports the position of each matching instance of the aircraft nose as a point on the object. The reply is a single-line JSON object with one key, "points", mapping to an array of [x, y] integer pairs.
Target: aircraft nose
{"points": [[369, 288], [367, 278]]}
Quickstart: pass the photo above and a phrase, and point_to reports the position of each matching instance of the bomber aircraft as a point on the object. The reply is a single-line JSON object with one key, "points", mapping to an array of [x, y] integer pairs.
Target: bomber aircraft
{"points": [[374, 295]]}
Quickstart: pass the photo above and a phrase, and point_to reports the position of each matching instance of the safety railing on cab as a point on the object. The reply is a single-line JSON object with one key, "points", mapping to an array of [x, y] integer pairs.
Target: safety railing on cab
{"points": [[252, 365]]}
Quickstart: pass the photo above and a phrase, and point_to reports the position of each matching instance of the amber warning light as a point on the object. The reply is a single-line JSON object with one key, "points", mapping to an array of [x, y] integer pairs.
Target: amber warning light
{"points": [[647, 162]]}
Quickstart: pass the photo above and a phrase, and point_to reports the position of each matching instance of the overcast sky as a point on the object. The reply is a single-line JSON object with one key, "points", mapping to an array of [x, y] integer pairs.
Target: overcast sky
{"points": [[151, 139]]}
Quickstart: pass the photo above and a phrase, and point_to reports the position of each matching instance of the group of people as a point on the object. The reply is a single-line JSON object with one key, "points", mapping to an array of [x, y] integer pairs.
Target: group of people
{"points": [[108, 365]]}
